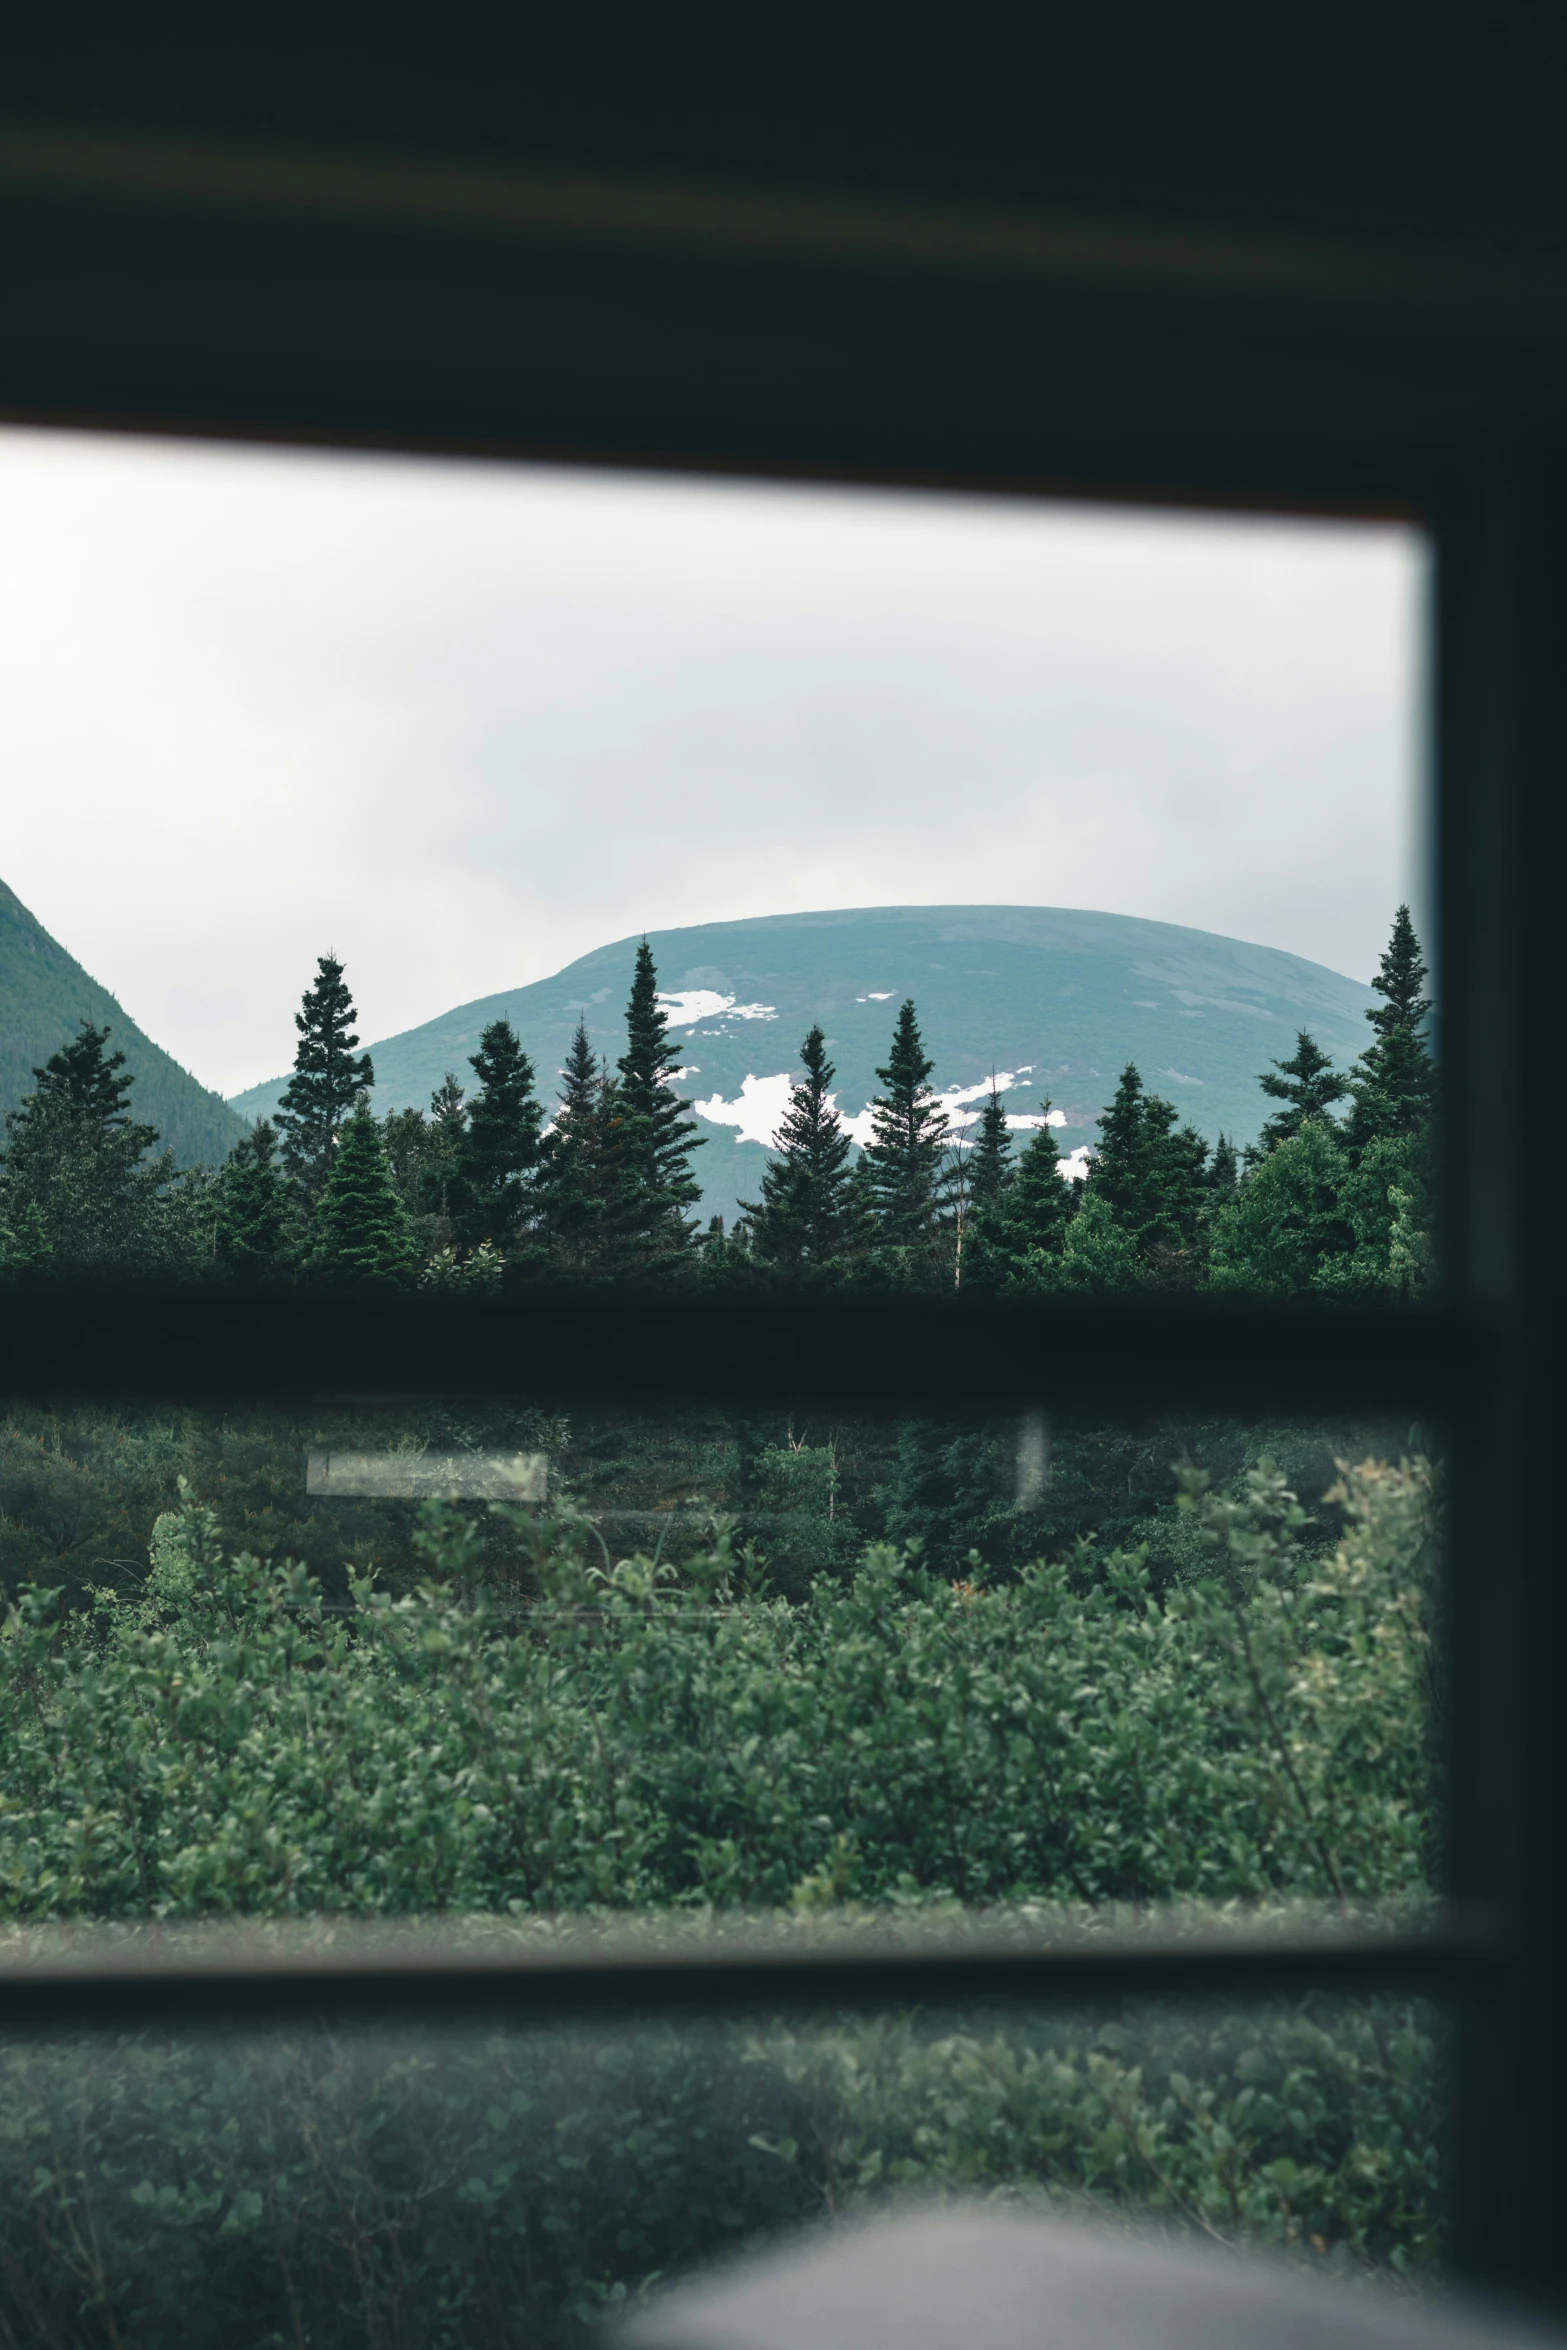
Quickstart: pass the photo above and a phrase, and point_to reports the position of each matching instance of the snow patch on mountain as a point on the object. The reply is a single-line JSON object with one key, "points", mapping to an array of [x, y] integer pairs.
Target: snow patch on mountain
{"points": [[684, 1008], [758, 1110]]}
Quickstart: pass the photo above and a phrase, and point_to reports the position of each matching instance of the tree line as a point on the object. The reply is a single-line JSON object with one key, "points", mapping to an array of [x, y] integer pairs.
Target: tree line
{"points": [[492, 1186]]}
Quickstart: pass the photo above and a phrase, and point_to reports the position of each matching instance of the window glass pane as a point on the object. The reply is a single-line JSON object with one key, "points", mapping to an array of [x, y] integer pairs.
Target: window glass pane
{"points": [[305, 1660], [477, 2184], [1075, 838]]}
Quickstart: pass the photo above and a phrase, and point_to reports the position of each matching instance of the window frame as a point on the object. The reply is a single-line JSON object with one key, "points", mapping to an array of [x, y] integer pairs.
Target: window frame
{"points": [[1031, 352]]}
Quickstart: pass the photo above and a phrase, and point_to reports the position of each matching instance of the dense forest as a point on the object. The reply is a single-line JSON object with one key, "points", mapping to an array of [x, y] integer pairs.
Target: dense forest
{"points": [[494, 1185]]}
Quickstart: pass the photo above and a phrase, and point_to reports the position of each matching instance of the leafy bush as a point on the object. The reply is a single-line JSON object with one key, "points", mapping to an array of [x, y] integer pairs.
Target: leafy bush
{"points": [[220, 1742], [477, 2186]]}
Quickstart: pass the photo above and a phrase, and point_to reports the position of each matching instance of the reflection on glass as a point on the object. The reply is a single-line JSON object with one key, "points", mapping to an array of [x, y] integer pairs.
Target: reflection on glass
{"points": [[754, 1661], [473, 2185]]}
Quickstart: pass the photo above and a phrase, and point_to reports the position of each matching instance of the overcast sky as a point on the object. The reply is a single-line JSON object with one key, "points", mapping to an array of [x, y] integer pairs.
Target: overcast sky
{"points": [[462, 724]]}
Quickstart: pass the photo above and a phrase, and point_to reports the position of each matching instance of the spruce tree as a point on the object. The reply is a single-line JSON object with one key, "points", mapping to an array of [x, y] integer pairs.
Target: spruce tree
{"points": [[908, 1144], [77, 1188], [1152, 1176], [1024, 1229], [328, 1081], [986, 1176], [447, 1112], [1039, 1202], [253, 1218], [1394, 1081], [989, 1163], [497, 1149], [577, 1191], [800, 1224], [653, 1137], [362, 1229], [423, 1151], [1307, 1084]]}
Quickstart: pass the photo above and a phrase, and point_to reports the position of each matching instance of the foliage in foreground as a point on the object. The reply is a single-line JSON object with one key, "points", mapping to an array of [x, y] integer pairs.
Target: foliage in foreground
{"points": [[479, 2187]]}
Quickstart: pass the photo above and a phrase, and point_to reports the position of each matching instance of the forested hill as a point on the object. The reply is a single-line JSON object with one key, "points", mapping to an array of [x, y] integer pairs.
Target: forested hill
{"points": [[44, 996], [1055, 1001]]}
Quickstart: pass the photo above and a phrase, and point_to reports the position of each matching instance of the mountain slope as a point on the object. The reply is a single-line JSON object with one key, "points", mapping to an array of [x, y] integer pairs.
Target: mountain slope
{"points": [[45, 995], [1055, 1001]]}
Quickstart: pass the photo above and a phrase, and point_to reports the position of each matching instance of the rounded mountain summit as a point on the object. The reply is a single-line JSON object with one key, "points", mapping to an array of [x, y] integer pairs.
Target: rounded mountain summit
{"points": [[1052, 1001]]}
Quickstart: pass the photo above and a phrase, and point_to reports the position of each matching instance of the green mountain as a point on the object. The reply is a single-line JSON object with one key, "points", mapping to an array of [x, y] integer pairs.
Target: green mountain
{"points": [[45, 995], [1054, 1001]]}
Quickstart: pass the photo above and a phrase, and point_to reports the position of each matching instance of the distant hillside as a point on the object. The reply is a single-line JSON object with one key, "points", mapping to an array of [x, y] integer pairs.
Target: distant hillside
{"points": [[45, 995], [1054, 1001]]}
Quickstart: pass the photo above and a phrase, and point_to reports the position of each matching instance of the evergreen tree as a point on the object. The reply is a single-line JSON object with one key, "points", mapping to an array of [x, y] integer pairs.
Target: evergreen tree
{"points": [[497, 1150], [801, 1223], [253, 1207], [1286, 1222], [577, 1191], [448, 1115], [423, 1152], [652, 1135], [907, 1146], [1153, 1177], [1039, 1203], [983, 1174], [1224, 1172], [77, 1188], [1394, 1081], [1307, 1084], [1024, 1223], [362, 1229], [328, 1080], [989, 1166]]}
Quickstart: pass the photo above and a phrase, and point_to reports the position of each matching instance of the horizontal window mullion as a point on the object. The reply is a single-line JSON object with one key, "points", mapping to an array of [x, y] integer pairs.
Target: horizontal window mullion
{"points": [[1104, 1355], [1457, 1959]]}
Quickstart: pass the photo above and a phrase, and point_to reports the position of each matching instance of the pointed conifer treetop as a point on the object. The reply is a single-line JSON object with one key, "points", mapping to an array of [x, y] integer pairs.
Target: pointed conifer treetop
{"points": [[497, 1151], [1151, 1174], [1307, 1083], [1040, 1202], [577, 1185], [908, 1141], [362, 1230], [1394, 1081], [85, 1079], [1026, 1222], [74, 1170], [989, 1158], [801, 1220], [329, 1078], [655, 1137], [251, 1228], [446, 1103]]}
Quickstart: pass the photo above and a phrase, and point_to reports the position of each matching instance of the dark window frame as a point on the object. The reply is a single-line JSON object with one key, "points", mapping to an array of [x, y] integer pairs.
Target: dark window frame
{"points": [[154, 285]]}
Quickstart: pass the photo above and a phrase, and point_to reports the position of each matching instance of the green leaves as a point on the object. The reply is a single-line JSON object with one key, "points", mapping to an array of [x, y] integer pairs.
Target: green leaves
{"points": [[222, 1742]]}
